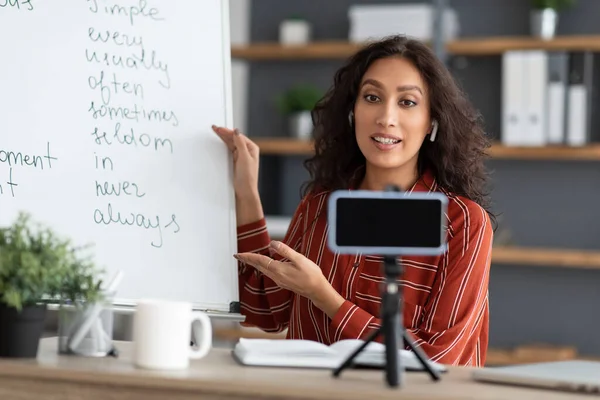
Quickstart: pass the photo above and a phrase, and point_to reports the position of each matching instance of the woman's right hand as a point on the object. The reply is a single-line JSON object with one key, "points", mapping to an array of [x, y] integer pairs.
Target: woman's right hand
{"points": [[245, 161]]}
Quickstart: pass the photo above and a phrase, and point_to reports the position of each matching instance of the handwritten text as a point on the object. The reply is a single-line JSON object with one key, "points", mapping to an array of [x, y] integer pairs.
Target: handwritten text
{"points": [[112, 217], [13, 158], [130, 12], [18, 4]]}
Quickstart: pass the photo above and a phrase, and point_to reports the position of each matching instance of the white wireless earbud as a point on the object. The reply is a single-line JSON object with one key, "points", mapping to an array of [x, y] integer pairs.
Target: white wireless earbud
{"points": [[350, 116], [434, 129]]}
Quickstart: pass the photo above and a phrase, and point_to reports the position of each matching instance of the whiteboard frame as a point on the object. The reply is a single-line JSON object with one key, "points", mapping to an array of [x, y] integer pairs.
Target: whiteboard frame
{"points": [[123, 304]]}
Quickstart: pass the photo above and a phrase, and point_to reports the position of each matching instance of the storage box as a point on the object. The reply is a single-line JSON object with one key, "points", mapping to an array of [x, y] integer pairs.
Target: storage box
{"points": [[369, 22]]}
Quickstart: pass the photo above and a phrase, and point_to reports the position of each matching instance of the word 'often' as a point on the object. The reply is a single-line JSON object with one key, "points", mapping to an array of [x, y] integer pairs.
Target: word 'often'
{"points": [[112, 86]]}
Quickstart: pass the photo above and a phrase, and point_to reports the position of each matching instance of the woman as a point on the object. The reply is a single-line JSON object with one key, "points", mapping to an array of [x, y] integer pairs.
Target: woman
{"points": [[393, 115]]}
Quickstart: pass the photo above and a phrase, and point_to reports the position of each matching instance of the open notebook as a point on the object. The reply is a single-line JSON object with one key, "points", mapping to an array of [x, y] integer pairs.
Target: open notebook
{"points": [[310, 354]]}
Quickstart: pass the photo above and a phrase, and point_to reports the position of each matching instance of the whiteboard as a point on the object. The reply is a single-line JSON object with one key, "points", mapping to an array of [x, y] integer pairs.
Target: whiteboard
{"points": [[106, 109]]}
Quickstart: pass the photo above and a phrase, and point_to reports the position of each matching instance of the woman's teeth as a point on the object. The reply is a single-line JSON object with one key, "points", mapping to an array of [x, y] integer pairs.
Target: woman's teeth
{"points": [[386, 140]]}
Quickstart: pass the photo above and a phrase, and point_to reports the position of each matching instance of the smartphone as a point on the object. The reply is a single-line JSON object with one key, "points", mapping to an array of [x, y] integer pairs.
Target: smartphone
{"points": [[387, 222]]}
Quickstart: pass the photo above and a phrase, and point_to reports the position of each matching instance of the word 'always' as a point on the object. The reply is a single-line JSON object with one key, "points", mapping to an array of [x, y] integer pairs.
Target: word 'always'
{"points": [[17, 4], [133, 219]]}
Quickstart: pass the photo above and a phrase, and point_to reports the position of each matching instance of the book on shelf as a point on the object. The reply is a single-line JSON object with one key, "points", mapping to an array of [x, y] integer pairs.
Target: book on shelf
{"points": [[297, 353]]}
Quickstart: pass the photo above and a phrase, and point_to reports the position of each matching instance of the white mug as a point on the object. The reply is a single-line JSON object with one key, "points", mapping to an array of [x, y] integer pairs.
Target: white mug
{"points": [[162, 332]]}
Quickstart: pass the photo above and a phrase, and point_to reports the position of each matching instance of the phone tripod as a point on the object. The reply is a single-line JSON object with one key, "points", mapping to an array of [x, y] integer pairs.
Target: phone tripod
{"points": [[391, 329]]}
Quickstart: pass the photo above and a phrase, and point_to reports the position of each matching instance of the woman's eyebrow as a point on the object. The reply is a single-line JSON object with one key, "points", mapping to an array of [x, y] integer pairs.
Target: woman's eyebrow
{"points": [[403, 88]]}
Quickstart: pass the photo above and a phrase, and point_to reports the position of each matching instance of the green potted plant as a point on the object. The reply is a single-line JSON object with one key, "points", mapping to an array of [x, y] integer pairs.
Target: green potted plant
{"points": [[296, 104], [544, 16], [37, 267]]}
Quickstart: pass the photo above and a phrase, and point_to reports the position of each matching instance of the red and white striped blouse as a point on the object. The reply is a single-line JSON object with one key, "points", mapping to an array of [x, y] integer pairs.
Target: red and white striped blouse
{"points": [[445, 297]]}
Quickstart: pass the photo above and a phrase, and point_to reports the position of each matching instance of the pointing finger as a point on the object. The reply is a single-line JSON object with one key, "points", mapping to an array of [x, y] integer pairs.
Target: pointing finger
{"points": [[260, 262]]}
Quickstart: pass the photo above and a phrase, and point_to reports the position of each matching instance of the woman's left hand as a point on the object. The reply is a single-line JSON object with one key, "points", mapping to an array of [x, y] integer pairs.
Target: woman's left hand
{"points": [[299, 274]]}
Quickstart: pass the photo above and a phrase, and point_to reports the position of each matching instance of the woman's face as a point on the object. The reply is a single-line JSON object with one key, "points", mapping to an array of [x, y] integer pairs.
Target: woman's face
{"points": [[391, 114]]}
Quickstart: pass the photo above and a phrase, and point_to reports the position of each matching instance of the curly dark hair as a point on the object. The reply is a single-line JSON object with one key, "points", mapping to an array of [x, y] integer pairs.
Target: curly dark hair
{"points": [[456, 157]]}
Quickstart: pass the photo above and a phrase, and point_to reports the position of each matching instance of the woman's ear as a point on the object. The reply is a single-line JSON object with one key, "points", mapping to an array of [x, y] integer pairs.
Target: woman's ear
{"points": [[434, 129]]}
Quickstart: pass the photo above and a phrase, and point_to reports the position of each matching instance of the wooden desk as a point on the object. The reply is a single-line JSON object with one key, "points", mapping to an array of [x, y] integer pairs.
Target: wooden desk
{"points": [[217, 376]]}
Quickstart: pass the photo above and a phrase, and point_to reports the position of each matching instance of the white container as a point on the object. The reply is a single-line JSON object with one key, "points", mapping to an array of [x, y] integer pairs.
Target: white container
{"points": [[374, 21], [543, 23], [300, 125], [294, 32]]}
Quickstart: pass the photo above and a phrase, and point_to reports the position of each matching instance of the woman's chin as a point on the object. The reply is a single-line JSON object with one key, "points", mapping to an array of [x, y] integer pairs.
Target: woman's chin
{"points": [[386, 161]]}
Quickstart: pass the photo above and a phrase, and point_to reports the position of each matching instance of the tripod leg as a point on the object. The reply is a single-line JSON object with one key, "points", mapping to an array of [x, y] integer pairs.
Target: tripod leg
{"points": [[435, 375], [352, 356], [392, 372]]}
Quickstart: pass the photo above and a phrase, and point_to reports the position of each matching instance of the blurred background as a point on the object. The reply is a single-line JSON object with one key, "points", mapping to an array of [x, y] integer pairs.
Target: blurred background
{"points": [[530, 67]]}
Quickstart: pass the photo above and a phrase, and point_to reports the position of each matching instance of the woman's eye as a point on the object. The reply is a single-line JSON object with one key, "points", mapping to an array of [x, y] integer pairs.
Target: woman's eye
{"points": [[408, 103], [371, 98]]}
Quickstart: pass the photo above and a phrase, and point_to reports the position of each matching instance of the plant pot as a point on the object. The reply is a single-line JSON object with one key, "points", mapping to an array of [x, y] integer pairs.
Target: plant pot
{"points": [[543, 23], [301, 125], [20, 332]]}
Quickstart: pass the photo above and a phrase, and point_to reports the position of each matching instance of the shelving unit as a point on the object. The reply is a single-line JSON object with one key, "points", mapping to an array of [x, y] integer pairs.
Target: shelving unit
{"points": [[463, 47], [285, 146]]}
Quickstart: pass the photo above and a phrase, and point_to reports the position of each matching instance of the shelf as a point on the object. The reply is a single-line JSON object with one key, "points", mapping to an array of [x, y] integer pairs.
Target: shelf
{"points": [[284, 146], [467, 46], [498, 45], [581, 259], [550, 152], [276, 51]]}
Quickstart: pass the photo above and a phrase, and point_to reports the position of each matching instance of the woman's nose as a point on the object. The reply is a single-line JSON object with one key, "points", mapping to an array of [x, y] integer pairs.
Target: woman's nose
{"points": [[388, 117]]}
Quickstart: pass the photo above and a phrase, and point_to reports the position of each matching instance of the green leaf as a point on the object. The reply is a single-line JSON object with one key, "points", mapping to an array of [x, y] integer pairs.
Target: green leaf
{"points": [[298, 98], [37, 264], [553, 4]]}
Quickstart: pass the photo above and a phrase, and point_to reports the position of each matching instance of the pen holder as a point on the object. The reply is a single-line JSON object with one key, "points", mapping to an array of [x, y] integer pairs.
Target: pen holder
{"points": [[85, 329]]}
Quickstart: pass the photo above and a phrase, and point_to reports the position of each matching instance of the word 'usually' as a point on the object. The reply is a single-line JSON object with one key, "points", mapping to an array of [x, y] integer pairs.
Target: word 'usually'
{"points": [[134, 62]]}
